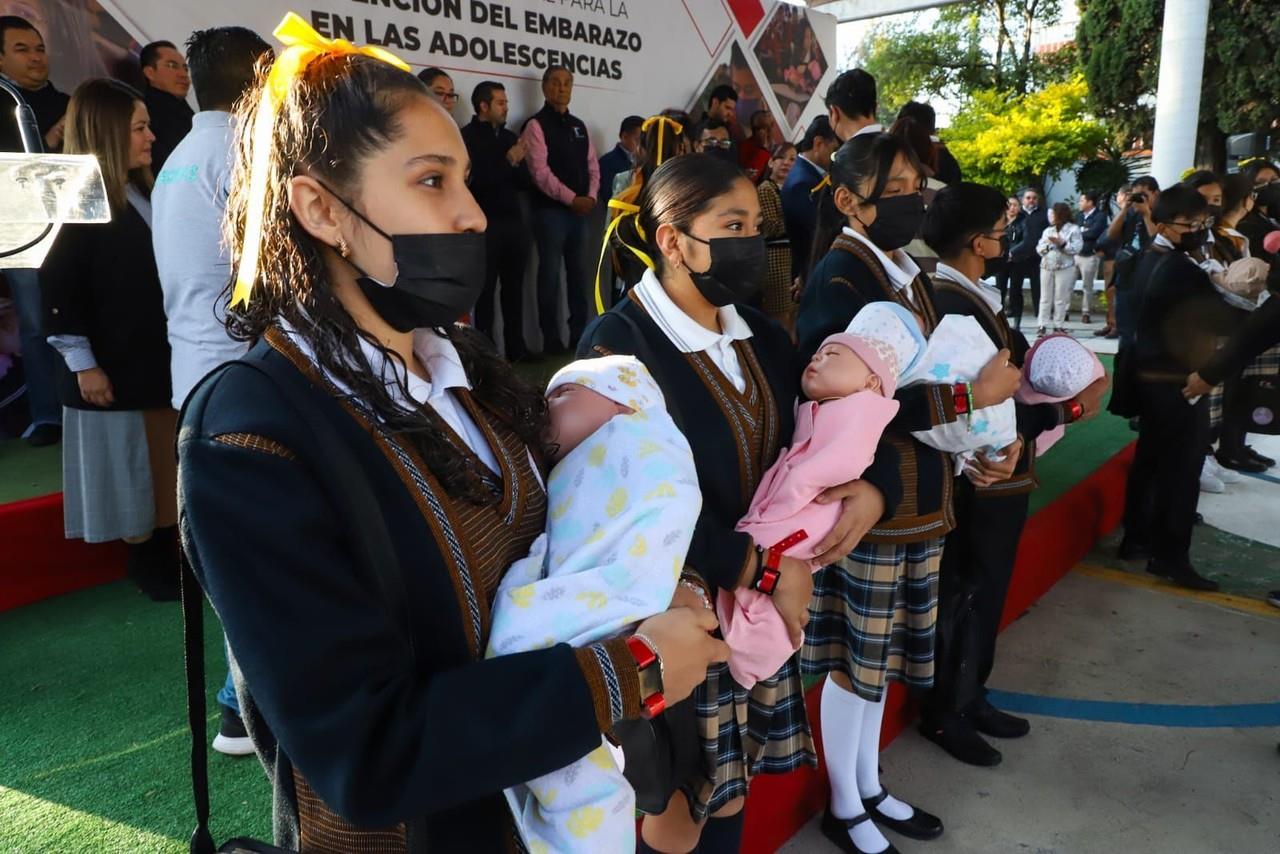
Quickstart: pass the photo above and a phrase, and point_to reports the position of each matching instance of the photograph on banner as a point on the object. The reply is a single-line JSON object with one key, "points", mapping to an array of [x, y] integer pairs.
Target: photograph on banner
{"points": [[738, 74], [792, 59], [82, 39]]}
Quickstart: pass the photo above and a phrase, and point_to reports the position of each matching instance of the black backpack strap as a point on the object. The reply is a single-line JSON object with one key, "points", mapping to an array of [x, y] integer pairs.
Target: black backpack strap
{"points": [[342, 477]]}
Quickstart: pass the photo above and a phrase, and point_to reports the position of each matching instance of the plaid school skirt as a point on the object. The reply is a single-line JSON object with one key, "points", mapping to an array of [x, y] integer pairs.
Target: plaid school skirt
{"points": [[1266, 365], [744, 733], [873, 617]]}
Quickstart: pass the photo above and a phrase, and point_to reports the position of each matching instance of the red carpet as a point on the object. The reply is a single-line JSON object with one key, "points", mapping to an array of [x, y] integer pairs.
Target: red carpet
{"points": [[1056, 538], [38, 563]]}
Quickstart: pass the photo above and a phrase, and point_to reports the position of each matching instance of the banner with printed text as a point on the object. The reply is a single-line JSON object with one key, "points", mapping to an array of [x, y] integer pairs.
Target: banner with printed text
{"points": [[628, 56]]}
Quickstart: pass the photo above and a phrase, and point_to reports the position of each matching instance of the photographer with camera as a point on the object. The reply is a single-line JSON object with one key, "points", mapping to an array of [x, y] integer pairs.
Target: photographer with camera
{"points": [[1130, 232]]}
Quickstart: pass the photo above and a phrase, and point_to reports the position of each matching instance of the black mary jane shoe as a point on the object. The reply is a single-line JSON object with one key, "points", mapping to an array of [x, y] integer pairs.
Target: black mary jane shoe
{"points": [[837, 831], [921, 825]]}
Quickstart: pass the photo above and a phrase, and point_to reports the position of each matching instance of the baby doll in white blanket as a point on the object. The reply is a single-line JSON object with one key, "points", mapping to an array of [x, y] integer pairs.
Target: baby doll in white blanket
{"points": [[623, 498], [956, 352]]}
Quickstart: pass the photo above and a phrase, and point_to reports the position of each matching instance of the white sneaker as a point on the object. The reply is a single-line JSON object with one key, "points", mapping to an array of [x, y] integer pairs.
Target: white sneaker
{"points": [[1209, 482], [1221, 472]]}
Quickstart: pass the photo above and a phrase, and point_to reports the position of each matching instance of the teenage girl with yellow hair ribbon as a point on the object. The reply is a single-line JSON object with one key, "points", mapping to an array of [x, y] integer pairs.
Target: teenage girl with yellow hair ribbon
{"points": [[357, 243]]}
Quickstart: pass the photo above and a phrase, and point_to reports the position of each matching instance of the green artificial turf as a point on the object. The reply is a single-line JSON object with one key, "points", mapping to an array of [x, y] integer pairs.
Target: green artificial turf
{"points": [[93, 734], [27, 472]]}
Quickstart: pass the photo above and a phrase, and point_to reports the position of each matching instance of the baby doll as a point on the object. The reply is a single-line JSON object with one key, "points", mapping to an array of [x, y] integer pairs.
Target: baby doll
{"points": [[622, 500], [956, 352], [1057, 368], [849, 386]]}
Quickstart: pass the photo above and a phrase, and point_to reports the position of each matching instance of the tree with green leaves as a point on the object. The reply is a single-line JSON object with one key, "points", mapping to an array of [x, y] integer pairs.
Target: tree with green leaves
{"points": [[980, 44], [1119, 44], [1013, 142]]}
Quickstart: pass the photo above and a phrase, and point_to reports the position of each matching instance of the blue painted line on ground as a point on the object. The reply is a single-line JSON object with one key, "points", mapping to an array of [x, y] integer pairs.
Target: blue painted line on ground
{"points": [[1268, 478], [1140, 714]]}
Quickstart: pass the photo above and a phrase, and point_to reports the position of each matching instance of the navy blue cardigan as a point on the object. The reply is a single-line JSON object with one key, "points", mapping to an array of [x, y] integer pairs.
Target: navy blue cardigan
{"points": [[718, 552], [333, 689]]}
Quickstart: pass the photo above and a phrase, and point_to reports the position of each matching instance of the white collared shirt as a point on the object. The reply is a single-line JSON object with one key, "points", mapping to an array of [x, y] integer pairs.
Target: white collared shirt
{"points": [[1161, 240], [689, 336], [989, 295], [821, 171], [871, 128], [900, 267], [442, 362]]}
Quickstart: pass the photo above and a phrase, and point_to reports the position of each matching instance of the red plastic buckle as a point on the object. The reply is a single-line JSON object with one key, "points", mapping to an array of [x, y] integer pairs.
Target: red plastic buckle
{"points": [[774, 558], [644, 654], [652, 706], [962, 398], [1076, 410], [768, 580]]}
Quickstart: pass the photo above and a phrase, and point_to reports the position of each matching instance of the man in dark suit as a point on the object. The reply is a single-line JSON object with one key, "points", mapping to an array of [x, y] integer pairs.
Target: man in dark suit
{"points": [[497, 177], [1093, 221], [799, 203], [948, 169], [25, 63], [1024, 260], [622, 158], [168, 82]]}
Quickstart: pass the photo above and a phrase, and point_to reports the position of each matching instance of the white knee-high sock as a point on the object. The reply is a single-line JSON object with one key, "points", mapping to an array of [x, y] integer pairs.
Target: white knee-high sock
{"points": [[842, 715], [841, 731], [869, 762]]}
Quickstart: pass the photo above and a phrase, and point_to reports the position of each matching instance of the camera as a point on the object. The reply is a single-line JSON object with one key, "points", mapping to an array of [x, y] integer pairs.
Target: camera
{"points": [[1137, 198]]}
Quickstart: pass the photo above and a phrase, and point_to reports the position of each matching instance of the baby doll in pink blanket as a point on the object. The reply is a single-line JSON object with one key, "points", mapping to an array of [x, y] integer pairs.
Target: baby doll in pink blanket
{"points": [[1056, 369], [849, 385]]}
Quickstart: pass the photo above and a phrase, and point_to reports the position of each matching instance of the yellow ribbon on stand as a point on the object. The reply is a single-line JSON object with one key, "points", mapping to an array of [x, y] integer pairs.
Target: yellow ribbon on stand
{"points": [[662, 122], [627, 210], [303, 45]]}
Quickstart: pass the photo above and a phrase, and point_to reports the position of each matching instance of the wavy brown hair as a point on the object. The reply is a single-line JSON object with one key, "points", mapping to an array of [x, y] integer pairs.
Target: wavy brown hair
{"points": [[341, 110]]}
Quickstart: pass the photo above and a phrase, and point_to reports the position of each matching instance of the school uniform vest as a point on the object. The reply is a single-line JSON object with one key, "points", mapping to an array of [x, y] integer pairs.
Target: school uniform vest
{"points": [[567, 150]]}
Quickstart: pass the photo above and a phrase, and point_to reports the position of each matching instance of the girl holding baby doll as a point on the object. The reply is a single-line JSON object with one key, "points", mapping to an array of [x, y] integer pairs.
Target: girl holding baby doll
{"points": [[381, 724], [875, 608], [730, 378], [967, 227]]}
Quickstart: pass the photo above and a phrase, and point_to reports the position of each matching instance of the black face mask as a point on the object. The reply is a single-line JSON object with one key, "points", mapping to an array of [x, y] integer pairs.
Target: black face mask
{"points": [[737, 269], [729, 155], [996, 265], [439, 277], [1193, 240], [898, 220]]}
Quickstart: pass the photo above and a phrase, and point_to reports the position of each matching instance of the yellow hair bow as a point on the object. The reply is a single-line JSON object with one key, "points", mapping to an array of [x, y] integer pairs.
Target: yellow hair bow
{"points": [[825, 182], [662, 123], [628, 210], [1187, 173], [303, 45]]}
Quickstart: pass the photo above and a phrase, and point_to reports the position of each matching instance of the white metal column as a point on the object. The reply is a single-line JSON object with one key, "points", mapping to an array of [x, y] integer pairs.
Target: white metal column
{"points": [[1186, 23]]}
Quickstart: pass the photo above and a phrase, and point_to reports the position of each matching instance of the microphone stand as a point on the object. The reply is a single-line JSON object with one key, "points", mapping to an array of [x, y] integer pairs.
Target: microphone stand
{"points": [[29, 129], [26, 119]]}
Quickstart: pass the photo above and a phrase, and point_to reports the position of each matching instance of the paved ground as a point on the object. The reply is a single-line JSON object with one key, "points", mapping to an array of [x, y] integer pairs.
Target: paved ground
{"points": [[1078, 784]]}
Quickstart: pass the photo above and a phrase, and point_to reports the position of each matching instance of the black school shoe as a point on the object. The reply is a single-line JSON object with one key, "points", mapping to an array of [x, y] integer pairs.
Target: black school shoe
{"points": [[921, 825], [1183, 576], [989, 720], [957, 736], [1132, 550], [1241, 463], [1254, 455], [837, 831]]}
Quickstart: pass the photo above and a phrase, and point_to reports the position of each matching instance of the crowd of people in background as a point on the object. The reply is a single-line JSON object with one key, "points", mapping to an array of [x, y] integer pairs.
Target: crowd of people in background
{"points": [[727, 263]]}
